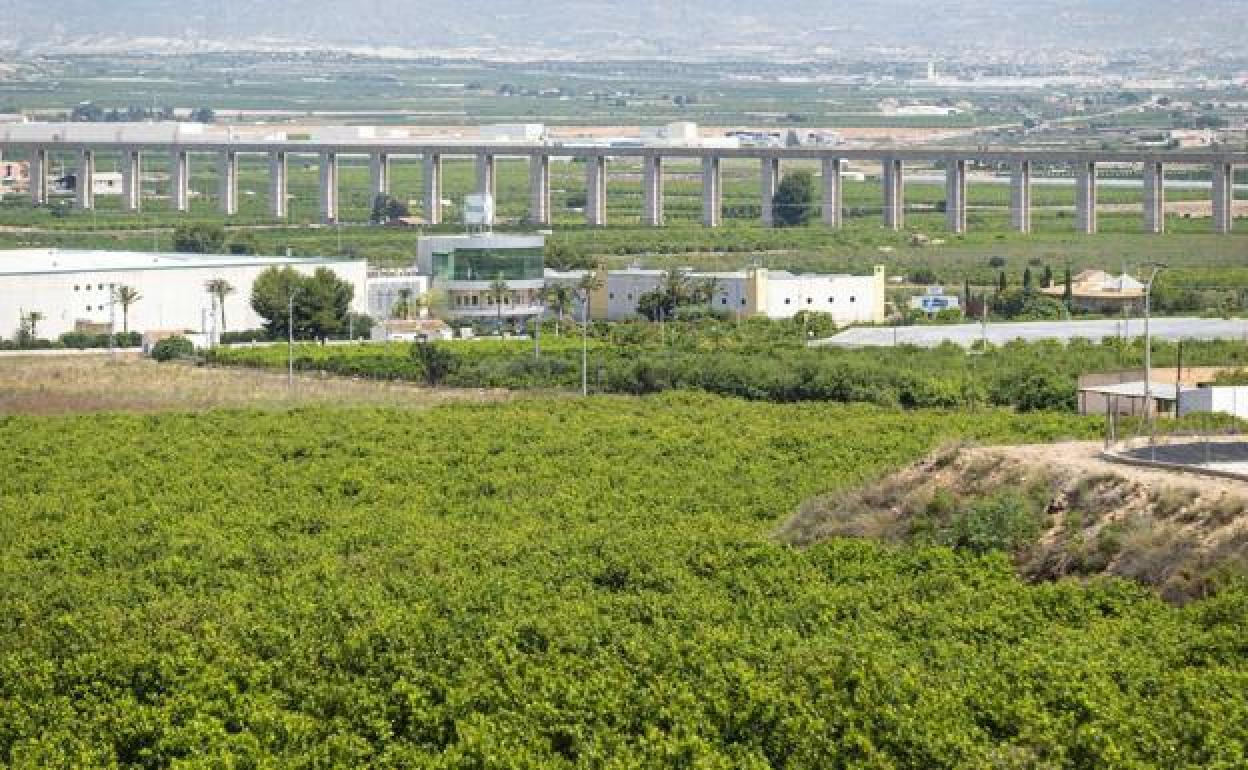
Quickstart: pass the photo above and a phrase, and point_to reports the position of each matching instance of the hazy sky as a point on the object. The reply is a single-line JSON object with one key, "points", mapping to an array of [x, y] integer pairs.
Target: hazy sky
{"points": [[604, 25]]}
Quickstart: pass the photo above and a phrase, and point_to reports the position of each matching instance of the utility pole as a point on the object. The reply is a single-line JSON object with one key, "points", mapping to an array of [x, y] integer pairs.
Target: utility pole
{"points": [[1148, 360]]}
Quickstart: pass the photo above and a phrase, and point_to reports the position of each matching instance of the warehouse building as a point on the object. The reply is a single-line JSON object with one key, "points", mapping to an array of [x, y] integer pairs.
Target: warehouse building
{"points": [[754, 292], [73, 290]]}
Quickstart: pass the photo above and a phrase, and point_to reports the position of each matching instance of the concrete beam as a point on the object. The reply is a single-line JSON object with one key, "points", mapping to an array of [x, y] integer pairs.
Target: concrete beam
{"points": [[131, 180], [379, 175], [652, 190], [1223, 197], [433, 188], [39, 176], [712, 193], [1154, 197], [85, 180], [831, 209], [1085, 198], [955, 195], [1020, 196], [180, 181], [539, 189], [894, 175], [277, 185], [329, 187], [768, 181], [596, 190], [227, 180]]}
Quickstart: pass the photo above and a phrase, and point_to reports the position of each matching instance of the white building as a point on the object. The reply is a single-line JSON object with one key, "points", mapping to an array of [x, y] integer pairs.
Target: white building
{"points": [[387, 287], [526, 133], [68, 287], [756, 292]]}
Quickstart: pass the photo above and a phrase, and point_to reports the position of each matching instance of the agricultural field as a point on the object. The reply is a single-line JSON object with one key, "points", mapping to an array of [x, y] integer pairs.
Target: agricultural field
{"points": [[759, 361], [558, 584]]}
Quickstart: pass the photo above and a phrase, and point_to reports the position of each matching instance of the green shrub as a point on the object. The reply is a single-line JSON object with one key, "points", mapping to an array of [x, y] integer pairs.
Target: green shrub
{"points": [[171, 348]]}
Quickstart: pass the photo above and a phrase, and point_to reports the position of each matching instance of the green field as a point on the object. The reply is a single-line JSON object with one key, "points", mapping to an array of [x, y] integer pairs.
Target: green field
{"points": [[556, 584]]}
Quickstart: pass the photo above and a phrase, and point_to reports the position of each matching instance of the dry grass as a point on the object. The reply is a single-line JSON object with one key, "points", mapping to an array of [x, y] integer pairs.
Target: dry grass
{"points": [[1184, 535], [73, 384]]}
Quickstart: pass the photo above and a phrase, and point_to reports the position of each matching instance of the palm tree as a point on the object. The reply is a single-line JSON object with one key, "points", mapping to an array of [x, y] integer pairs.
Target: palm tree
{"points": [[707, 288], [585, 288], [220, 288], [558, 297], [499, 291], [403, 308], [126, 296], [676, 285], [29, 323]]}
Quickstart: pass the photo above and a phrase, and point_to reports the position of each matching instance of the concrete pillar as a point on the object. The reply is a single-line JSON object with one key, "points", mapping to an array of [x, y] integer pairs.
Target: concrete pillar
{"points": [[539, 189], [955, 195], [227, 179], [433, 189], [1223, 197], [180, 181], [131, 176], [379, 176], [277, 185], [1154, 197], [832, 192], [596, 190], [769, 179], [39, 176], [85, 180], [485, 181], [712, 193], [329, 187], [652, 190], [1020, 196], [1085, 197], [894, 173]]}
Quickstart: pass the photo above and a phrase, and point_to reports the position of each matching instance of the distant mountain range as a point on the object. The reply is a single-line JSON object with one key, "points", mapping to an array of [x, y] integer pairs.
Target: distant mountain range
{"points": [[643, 27]]}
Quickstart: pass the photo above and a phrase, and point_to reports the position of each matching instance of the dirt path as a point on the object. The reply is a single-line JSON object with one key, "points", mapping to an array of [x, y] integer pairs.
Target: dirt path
{"points": [[1082, 458]]}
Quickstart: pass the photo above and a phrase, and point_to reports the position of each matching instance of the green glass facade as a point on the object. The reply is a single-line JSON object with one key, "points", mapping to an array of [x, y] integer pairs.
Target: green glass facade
{"points": [[489, 264]]}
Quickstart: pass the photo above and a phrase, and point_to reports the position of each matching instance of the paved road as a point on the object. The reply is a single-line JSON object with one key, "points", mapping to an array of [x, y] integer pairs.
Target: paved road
{"points": [[1000, 333]]}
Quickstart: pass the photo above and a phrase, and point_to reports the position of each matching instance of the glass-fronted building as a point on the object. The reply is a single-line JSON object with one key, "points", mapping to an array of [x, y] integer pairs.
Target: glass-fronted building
{"points": [[465, 269]]}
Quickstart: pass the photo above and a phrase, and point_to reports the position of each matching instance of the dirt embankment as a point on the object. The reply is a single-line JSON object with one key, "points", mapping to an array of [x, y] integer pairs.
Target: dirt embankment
{"points": [[1059, 510]]}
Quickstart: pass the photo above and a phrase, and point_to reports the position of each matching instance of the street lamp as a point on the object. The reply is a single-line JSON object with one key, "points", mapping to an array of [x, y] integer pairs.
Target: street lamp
{"points": [[290, 340], [1148, 357]]}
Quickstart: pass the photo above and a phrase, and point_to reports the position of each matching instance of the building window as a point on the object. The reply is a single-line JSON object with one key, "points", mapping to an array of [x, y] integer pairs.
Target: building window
{"points": [[809, 300], [723, 300], [831, 299], [788, 301], [76, 287], [101, 287], [611, 295], [853, 299], [630, 296], [743, 300], [88, 308]]}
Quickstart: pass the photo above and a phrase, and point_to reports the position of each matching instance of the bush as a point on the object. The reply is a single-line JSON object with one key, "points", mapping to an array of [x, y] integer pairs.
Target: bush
{"points": [[436, 362], [171, 348], [92, 341]]}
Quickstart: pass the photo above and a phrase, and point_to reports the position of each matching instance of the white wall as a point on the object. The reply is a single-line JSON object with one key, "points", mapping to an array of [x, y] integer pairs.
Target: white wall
{"points": [[172, 298], [849, 298], [1223, 399]]}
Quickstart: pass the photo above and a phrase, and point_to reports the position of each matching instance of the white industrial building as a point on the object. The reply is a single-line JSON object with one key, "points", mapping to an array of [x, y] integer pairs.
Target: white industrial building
{"points": [[73, 288], [754, 292]]}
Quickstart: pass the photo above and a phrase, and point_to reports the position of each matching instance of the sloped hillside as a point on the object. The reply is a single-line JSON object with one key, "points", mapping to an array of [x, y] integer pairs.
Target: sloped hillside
{"points": [[1058, 510]]}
